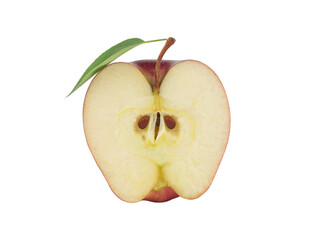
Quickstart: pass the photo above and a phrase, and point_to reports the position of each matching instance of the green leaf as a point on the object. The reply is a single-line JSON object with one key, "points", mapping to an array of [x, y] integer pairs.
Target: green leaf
{"points": [[108, 56]]}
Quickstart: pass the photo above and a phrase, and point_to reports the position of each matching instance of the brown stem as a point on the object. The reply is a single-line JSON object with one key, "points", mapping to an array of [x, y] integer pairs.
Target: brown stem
{"points": [[170, 41]]}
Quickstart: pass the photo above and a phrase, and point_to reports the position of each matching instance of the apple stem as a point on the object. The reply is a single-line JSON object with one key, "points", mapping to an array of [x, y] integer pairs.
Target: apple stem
{"points": [[170, 41]]}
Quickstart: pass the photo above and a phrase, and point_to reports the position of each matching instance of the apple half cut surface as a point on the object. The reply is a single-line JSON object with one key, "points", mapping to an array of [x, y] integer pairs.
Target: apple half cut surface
{"points": [[157, 145]]}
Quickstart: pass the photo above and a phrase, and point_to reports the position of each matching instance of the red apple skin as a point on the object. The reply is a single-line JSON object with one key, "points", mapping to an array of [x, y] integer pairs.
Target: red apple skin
{"points": [[163, 195], [147, 67]]}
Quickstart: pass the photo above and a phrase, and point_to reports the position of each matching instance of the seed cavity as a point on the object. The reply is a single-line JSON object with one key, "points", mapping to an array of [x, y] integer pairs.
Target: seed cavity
{"points": [[158, 119], [170, 122], [143, 122], [157, 125]]}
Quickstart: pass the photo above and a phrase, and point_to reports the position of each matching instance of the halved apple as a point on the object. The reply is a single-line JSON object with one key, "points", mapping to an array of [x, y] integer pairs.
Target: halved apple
{"points": [[157, 143]]}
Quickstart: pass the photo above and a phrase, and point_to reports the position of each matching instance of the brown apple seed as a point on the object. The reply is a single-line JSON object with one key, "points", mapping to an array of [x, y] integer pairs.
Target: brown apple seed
{"points": [[170, 123], [143, 122]]}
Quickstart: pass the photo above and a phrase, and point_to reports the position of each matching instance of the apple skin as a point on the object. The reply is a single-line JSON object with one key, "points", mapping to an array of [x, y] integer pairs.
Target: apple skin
{"points": [[163, 195], [147, 67]]}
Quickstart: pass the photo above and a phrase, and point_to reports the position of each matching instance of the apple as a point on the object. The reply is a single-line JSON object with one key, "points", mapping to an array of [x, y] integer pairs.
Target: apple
{"points": [[157, 129]]}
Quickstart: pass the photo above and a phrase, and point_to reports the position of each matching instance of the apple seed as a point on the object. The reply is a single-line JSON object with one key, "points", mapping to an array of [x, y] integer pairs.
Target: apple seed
{"points": [[170, 123], [143, 122]]}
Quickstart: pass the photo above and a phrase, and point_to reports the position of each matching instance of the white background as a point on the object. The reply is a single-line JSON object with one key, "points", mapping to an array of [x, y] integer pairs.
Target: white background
{"points": [[50, 186]]}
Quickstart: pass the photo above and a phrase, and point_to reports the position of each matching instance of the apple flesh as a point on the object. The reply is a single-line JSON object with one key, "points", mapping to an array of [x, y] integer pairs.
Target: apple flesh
{"points": [[157, 145]]}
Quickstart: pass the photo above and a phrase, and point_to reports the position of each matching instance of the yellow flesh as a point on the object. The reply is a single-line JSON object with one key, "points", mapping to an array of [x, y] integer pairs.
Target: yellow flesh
{"points": [[134, 160]]}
